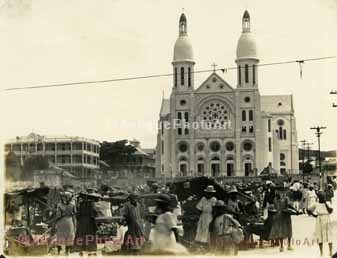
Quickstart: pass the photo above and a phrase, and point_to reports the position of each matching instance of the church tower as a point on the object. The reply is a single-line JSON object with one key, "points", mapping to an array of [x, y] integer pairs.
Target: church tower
{"points": [[183, 64], [246, 56]]}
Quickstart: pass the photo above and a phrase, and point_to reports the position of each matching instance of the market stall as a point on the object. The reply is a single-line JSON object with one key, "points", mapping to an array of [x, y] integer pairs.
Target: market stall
{"points": [[27, 217]]}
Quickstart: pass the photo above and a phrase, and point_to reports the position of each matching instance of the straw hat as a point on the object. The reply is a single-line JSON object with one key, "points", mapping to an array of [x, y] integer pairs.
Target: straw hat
{"points": [[93, 195], [220, 203], [133, 196], [165, 199], [210, 189], [233, 189]]}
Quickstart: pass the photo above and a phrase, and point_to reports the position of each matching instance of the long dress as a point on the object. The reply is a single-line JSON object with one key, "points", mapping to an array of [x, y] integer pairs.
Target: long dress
{"points": [[65, 227], [85, 239], [134, 237], [206, 207], [323, 226], [281, 227], [163, 238]]}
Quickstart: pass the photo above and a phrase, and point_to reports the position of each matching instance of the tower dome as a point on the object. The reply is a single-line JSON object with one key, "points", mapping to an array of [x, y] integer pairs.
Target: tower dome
{"points": [[246, 47], [183, 50]]}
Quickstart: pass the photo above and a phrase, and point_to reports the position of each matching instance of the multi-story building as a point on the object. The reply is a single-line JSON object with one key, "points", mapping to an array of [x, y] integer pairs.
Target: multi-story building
{"points": [[218, 130], [79, 156]]}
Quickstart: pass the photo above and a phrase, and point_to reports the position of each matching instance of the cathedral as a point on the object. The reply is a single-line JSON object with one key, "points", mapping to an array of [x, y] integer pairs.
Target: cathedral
{"points": [[215, 129]]}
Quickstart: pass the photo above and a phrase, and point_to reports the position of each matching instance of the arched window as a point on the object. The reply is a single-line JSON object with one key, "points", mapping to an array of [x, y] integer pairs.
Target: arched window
{"points": [[281, 133], [284, 134], [189, 77], [186, 116], [251, 116], [246, 73], [243, 115], [254, 70], [182, 75], [179, 116], [200, 166], [239, 74], [175, 77]]}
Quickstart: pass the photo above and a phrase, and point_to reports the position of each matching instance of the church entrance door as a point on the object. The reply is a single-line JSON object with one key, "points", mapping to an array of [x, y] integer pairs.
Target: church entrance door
{"points": [[215, 168], [230, 169], [248, 168]]}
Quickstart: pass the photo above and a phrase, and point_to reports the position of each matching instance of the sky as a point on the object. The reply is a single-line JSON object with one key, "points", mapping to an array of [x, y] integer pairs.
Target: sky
{"points": [[48, 42]]}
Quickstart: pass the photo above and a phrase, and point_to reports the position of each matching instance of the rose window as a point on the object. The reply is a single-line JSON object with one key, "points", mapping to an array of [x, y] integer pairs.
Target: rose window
{"points": [[215, 113]]}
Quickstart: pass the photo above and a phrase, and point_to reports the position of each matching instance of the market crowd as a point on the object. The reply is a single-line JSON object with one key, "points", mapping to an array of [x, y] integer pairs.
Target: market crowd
{"points": [[154, 220]]}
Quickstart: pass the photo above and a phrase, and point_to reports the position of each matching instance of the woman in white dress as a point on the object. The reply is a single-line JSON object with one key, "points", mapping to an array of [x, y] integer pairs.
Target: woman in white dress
{"points": [[323, 228], [205, 205], [165, 234], [310, 198]]}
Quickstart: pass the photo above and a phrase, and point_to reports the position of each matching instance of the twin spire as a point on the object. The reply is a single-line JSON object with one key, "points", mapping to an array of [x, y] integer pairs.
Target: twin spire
{"points": [[246, 22], [182, 25], [183, 50]]}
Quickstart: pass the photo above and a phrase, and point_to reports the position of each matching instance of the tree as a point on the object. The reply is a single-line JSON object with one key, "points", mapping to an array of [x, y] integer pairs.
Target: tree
{"points": [[13, 169], [117, 154], [307, 167], [36, 162]]}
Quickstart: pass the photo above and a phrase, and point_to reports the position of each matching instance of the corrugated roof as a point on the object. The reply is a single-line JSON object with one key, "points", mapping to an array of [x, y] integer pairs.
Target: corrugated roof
{"points": [[139, 151], [277, 103], [150, 151]]}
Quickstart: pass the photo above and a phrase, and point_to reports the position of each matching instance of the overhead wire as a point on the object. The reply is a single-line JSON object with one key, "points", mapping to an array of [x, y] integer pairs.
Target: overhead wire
{"points": [[223, 69]]}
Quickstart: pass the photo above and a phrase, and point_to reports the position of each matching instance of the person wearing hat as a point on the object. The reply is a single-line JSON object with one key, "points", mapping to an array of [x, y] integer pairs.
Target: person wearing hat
{"points": [[65, 223], [85, 240], [329, 193], [323, 227], [134, 237], [227, 231], [165, 233], [233, 204], [205, 206]]}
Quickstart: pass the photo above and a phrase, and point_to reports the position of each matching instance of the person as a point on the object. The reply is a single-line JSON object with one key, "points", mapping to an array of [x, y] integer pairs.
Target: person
{"points": [[85, 239], [269, 197], [329, 193], [304, 196], [311, 197], [323, 228], [296, 194], [165, 233], [267, 225], [65, 223], [205, 206], [227, 231], [233, 204], [281, 225], [134, 237]]}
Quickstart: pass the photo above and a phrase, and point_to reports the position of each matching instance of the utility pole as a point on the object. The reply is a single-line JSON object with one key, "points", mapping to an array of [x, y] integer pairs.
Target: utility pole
{"points": [[304, 143], [318, 134], [308, 151], [333, 92]]}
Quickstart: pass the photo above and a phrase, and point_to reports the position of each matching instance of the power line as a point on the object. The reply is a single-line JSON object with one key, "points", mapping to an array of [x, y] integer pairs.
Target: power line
{"points": [[224, 69]]}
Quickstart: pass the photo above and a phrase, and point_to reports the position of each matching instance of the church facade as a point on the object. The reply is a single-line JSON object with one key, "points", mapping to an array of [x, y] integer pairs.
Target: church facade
{"points": [[219, 130]]}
